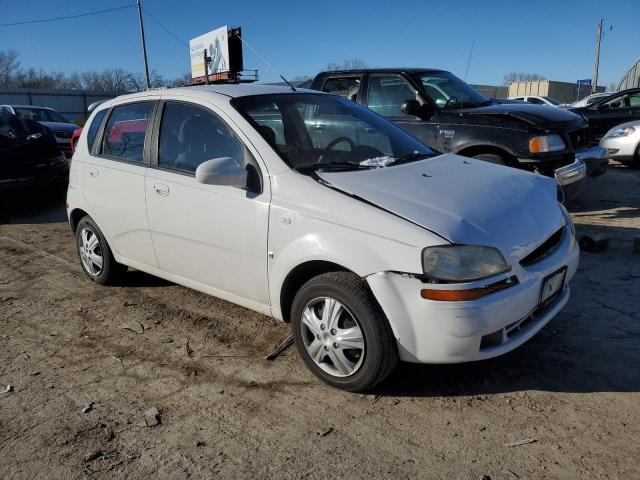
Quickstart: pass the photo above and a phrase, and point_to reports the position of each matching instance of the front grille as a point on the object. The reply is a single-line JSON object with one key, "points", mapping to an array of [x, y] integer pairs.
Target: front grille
{"points": [[544, 250], [579, 138], [63, 134]]}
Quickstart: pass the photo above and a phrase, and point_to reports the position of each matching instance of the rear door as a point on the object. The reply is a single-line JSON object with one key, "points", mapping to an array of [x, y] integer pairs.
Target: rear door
{"points": [[114, 181]]}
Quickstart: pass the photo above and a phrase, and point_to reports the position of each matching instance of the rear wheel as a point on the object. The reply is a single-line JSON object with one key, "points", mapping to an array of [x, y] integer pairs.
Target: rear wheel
{"points": [[95, 255], [341, 333]]}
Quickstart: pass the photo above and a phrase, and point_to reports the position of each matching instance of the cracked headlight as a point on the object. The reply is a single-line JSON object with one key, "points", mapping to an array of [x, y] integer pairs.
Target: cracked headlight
{"points": [[569, 224], [620, 132], [462, 263]]}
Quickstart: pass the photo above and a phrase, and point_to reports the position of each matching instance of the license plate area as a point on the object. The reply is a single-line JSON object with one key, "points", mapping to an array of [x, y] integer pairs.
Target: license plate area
{"points": [[552, 285]]}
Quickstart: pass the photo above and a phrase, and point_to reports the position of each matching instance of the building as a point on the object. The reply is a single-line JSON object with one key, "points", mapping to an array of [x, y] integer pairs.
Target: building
{"points": [[565, 92]]}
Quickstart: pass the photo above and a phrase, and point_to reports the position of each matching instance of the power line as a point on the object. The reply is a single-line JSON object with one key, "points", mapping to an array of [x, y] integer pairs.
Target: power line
{"points": [[54, 19], [165, 28]]}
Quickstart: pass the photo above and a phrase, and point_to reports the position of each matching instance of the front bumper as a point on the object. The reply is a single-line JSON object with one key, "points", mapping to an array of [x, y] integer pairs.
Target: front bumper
{"points": [[596, 159], [572, 179], [621, 148], [430, 331]]}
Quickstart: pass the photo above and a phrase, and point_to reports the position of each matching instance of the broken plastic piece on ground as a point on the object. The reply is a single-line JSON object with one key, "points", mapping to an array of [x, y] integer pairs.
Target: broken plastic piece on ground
{"points": [[87, 407], [8, 389], [152, 417], [286, 343], [594, 244]]}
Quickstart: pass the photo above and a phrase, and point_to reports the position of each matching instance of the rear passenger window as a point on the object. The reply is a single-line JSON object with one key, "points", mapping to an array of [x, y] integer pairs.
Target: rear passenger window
{"points": [[190, 135], [347, 87], [94, 127], [125, 132]]}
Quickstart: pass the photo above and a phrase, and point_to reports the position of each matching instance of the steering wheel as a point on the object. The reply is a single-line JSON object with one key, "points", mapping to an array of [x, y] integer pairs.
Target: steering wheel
{"points": [[335, 142]]}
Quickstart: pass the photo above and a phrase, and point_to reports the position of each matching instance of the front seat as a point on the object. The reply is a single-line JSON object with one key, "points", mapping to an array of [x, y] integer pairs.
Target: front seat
{"points": [[197, 138]]}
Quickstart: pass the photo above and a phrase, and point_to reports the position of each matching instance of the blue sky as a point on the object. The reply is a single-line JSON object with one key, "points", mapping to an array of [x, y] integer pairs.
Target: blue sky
{"points": [[553, 38]]}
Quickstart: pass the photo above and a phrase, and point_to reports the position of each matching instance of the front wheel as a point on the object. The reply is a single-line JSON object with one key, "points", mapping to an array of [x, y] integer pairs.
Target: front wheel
{"points": [[341, 333]]}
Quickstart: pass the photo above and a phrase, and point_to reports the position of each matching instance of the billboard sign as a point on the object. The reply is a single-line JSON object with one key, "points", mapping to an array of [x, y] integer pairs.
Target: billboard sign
{"points": [[216, 43], [586, 81]]}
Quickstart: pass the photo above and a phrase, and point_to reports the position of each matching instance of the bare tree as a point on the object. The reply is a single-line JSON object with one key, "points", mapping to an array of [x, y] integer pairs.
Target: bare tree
{"points": [[9, 66], [349, 64], [522, 77]]}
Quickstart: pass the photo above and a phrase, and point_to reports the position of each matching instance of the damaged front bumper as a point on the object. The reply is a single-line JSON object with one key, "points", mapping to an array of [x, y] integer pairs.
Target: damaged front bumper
{"points": [[596, 159], [429, 331], [571, 178]]}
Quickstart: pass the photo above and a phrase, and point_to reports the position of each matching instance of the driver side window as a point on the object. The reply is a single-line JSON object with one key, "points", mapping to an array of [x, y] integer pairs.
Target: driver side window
{"points": [[190, 135], [387, 93]]}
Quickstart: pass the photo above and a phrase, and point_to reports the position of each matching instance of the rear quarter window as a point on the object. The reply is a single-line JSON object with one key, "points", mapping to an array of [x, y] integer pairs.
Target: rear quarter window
{"points": [[92, 133]]}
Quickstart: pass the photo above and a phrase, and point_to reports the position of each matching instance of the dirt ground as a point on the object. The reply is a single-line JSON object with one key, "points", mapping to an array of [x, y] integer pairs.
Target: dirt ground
{"points": [[572, 392]]}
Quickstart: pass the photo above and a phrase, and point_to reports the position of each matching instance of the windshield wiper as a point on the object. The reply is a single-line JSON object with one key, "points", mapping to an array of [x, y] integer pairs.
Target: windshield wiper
{"points": [[333, 166], [409, 157]]}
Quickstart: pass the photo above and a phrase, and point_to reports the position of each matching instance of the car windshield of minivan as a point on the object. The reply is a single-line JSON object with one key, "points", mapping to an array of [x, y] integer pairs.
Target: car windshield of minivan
{"points": [[448, 91], [318, 131]]}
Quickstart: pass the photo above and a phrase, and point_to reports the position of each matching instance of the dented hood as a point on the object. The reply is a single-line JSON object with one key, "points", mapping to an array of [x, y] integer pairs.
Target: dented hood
{"points": [[466, 201]]}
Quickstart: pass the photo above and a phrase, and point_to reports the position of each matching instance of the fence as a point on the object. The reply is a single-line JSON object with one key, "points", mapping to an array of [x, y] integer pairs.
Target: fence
{"points": [[72, 104], [492, 91]]}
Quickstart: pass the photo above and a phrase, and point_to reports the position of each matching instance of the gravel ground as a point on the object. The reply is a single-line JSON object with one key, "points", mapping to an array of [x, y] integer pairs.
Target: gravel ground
{"points": [[570, 396]]}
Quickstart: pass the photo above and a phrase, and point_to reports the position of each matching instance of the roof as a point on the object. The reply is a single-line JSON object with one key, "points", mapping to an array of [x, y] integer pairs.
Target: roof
{"points": [[238, 90], [384, 70], [29, 106]]}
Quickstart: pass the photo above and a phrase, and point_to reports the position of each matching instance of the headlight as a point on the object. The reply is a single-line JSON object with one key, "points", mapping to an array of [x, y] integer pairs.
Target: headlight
{"points": [[620, 132], [462, 263], [569, 223], [546, 143]]}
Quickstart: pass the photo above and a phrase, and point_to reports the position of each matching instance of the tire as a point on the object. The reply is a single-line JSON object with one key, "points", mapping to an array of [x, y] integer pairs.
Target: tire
{"points": [[91, 246], [359, 321], [491, 158]]}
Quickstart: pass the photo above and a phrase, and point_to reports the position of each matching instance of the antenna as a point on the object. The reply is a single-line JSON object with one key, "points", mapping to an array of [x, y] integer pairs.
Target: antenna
{"points": [[473, 44], [267, 63]]}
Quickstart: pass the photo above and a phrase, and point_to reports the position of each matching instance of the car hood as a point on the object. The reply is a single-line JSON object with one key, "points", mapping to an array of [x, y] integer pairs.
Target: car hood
{"points": [[466, 201], [60, 126], [540, 115]]}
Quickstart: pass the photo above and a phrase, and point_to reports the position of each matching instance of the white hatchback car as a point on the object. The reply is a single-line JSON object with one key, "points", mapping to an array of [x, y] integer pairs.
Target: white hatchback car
{"points": [[312, 209]]}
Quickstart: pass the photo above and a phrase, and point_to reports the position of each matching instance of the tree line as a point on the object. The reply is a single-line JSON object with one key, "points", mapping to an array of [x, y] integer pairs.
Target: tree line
{"points": [[116, 80]]}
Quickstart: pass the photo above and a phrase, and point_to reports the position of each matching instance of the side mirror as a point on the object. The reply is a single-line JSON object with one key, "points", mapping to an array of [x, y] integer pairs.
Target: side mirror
{"points": [[412, 107], [222, 171]]}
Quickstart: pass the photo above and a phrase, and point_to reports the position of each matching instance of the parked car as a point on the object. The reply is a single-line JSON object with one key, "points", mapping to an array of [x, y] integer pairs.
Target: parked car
{"points": [[538, 100], [620, 107], [62, 128], [623, 143], [29, 155], [589, 100], [450, 116], [370, 244]]}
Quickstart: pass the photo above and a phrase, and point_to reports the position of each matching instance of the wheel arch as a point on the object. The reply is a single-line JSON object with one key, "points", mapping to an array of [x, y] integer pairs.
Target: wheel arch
{"points": [[473, 150], [75, 216], [300, 275]]}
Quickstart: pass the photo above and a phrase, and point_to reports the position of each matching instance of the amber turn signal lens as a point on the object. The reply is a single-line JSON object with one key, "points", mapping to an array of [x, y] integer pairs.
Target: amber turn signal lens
{"points": [[466, 294]]}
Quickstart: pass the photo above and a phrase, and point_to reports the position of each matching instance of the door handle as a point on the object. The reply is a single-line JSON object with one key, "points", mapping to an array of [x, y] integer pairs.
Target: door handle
{"points": [[370, 130], [161, 189], [93, 172], [319, 128]]}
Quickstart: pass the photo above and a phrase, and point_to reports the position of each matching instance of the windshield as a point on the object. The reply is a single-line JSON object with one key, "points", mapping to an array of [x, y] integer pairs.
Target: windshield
{"points": [[318, 130], [40, 115], [552, 101], [446, 90]]}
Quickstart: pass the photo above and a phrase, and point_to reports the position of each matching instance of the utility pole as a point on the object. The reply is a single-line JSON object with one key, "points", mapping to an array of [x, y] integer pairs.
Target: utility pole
{"points": [[594, 83], [144, 46]]}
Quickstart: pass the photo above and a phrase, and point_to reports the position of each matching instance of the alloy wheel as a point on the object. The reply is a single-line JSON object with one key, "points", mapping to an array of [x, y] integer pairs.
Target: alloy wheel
{"points": [[332, 337], [90, 252]]}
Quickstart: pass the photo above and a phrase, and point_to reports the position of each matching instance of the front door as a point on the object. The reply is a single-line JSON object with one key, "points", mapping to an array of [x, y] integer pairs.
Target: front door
{"points": [[385, 95], [617, 109], [210, 234]]}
